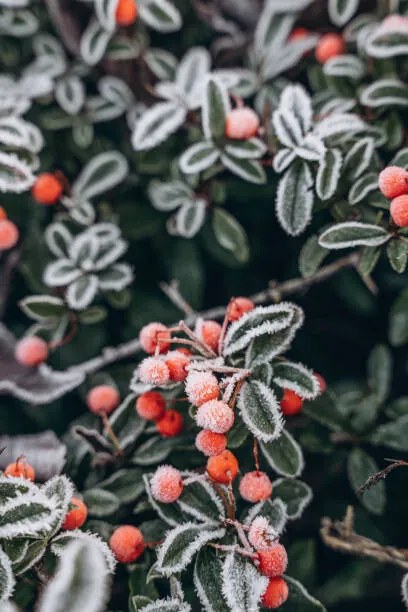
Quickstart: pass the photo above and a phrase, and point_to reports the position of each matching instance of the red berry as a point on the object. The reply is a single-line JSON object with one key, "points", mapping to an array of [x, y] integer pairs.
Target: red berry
{"points": [[298, 34], [216, 416], [154, 371], [153, 335], [31, 351], [273, 561], [8, 234], [171, 424], [76, 517], [47, 189], [201, 387], [20, 469], [210, 443], [261, 534], [126, 12], [166, 484], [208, 332], [255, 486], [223, 468], [322, 382], [276, 593], [103, 399], [151, 405], [3, 214], [177, 362], [330, 45], [241, 123], [291, 403], [399, 210], [393, 182], [238, 307], [127, 543]]}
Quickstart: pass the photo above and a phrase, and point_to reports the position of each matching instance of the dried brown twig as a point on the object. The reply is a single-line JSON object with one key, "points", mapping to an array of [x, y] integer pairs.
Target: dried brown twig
{"points": [[382, 474]]}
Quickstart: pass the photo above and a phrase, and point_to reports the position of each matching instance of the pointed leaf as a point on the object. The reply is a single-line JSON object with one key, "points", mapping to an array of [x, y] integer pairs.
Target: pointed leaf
{"points": [[260, 411], [294, 200], [284, 455]]}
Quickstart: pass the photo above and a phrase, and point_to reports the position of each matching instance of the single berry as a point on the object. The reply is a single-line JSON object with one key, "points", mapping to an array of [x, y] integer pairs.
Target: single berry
{"points": [[31, 351], [298, 34], [208, 332], [393, 182], [153, 371], [166, 484], [241, 123], [76, 517], [330, 45], [177, 363], [238, 307], [127, 543], [103, 399], [20, 469], [322, 383], [3, 214], [216, 416], [201, 387], [223, 468], [210, 443], [291, 403], [273, 561], [276, 593], [126, 12], [151, 405], [170, 424], [261, 533], [8, 234], [399, 210], [47, 189], [155, 335], [255, 486]]}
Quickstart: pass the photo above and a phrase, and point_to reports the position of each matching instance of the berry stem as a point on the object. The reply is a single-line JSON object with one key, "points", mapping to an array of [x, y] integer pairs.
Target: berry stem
{"points": [[256, 454], [203, 348], [233, 548], [111, 434]]}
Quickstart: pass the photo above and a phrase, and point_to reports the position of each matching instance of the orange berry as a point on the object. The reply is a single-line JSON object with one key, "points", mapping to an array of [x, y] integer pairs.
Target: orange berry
{"points": [[8, 234], [241, 123], [209, 332], [291, 403], [238, 307], [3, 214], [126, 12], [273, 561], [298, 34], [151, 405], [330, 45], [127, 543], [261, 534], [223, 468], [322, 382], [31, 351], [154, 371], [276, 593], [152, 335], [399, 210], [210, 443], [255, 486], [47, 189], [103, 399], [216, 416], [20, 469], [201, 387], [170, 424], [177, 362], [166, 484], [393, 181], [76, 517]]}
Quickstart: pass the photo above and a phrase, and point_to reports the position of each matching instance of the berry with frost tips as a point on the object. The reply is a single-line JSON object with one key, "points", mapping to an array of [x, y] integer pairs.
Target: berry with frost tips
{"points": [[127, 543], [223, 468], [47, 189], [8, 234], [322, 383], [216, 416], [330, 45], [272, 561], [399, 210], [291, 403], [154, 371], [155, 335], [103, 399], [20, 469], [241, 123], [151, 405], [77, 516], [238, 307], [201, 387], [126, 12], [31, 351], [170, 424], [177, 363], [166, 484], [208, 332], [393, 181], [210, 443], [261, 533], [276, 593], [255, 486]]}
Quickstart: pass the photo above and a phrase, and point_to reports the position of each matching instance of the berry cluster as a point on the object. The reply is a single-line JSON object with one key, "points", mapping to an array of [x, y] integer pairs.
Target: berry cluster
{"points": [[393, 184]]}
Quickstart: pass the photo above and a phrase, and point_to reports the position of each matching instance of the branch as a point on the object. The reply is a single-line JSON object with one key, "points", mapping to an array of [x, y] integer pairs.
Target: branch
{"points": [[382, 475], [173, 293]]}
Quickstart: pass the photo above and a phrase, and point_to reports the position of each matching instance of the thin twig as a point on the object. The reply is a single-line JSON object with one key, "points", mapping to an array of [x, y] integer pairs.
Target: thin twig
{"points": [[111, 434], [173, 293], [10, 264], [382, 474], [233, 548]]}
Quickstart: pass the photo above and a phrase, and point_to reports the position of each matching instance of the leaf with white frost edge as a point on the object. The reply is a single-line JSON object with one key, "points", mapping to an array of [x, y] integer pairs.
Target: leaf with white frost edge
{"points": [[161, 15], [215, 108], [344, 66], [17, 133], [60, 273], [58, 239], [191, 73], [295, 494], [284, 455], [70, 94], [404, 590], [353, 233], [342, 124], [274, 510], [59, 543], [169, 195], [42, 307], [385, 92], [384, 42], [199, 499], [243, 585], [359, 157], [116, 278], [190, 218], [253, 148], [94, 41], [311, 148], [287, 128], [294, 199], [156, 125], [15, 174], [283, 159], [300, 599], [29, 514], [341, 11], [297, 377], [82, 291], [362, 187], [166, 605], [61, 489], [7, 581], [101, 173], [260, 411], [296, 99], [198, 157], [208, 581], [328, 174]]}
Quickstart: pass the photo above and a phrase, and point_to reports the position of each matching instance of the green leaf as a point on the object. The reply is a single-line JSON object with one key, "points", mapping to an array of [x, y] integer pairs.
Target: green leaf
{"points": [[311, 256], [200, 500], [362, 187], [344, 66], [397, 408], [215, 108], [230, 234], [368, 260], [248, 169], [325, 411], [161, 15], [100, 502], [359, 157], [295, 376], [284, 455], [397, 253], [392, 435], [353, 233], [208, 581], [295, 494], [260, 411], [328, 174], [7, 581], [398, 325], [274, 511], [387, 41], [253, 148], [42, 307], [384, 93], [379, 369], [294, 199], [103, 172], [198, 157], [359, 467], [126, 423], [33, 551], [126, 484], [299, 599], [243, 585], [154, 450]]}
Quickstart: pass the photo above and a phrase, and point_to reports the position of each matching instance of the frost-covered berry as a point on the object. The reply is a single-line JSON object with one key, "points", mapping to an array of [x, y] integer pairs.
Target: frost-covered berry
{"points": [[31, 351], [276, 593], [241, 123], [216, 416], [291, 403], [393, 182], [201, 387], [272, 561], [166, 484], [151, 405], [47, 189], [208, 332], [152, 335], [153, 371], [127, 543], [330, 45], [210, 443], [126, 12], [261, 534], [103, 399], [170, 424], [8, 234], [76, 517], [255, 486], [223, 468], [399, 210], [322, 382], [20, 469], [177, 363], [238, 307]]}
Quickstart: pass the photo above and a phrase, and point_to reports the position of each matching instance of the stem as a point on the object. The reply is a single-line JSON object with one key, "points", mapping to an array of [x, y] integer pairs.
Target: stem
{"points": [[203, 348], [256, 454], [174, 295], [232, 548], [111, 434]]}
